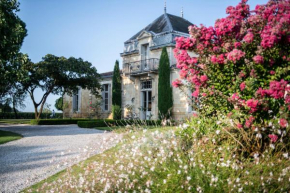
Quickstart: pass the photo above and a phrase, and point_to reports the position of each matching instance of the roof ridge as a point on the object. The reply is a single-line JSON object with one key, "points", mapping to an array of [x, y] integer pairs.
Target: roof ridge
{"points": [[178, 17], [168, 21]]}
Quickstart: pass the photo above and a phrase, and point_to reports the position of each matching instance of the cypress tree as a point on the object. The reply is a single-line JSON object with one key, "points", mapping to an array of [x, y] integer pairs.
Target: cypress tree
{"points": [[116, 92], [165, 100]]}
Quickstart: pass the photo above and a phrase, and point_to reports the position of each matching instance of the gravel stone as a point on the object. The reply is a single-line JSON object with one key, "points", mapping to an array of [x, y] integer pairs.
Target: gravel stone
{"points": [[46, 150]]}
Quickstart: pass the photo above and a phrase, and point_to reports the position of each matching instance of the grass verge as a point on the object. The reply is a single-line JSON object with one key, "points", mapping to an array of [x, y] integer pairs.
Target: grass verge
{"points": [[14, 121], [6, 136]]}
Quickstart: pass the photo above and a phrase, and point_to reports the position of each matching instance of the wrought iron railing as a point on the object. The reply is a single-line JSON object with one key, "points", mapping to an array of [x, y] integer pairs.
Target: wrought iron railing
{"points": [[141, 66]]}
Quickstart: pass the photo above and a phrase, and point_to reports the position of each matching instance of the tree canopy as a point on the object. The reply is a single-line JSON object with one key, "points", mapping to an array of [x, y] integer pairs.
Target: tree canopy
{"points": [[58, 75], [12, 33]]}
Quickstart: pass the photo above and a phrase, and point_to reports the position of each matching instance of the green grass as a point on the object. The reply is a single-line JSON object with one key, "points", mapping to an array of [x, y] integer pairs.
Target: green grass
{"points": [[6, 136], [14, 121]]}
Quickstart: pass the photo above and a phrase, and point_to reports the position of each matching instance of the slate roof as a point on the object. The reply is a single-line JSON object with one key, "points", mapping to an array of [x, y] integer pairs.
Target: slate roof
{"points": [[108, 74], [165, 23]]}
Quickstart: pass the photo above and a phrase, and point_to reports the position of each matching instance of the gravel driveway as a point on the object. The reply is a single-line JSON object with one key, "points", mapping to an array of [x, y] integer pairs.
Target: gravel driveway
{"points": [[45, 150]]}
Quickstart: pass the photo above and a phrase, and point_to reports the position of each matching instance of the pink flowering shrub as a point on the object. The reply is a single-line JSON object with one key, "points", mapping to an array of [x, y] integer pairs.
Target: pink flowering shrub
{"points": [[242, 68]]}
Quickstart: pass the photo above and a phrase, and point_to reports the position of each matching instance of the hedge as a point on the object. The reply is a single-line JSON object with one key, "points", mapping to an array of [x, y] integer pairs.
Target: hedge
{"points": [[27, 115], [96, 123], [56, 121], [106, 123]]}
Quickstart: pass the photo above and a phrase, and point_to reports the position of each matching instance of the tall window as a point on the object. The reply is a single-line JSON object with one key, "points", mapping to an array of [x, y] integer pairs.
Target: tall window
{"points": [[106, 96], [146, 84], [76, 101]]}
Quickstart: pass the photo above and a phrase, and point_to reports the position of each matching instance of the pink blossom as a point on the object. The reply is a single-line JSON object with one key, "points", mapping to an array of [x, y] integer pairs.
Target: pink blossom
{"points": [[177, 83], [195, 93], [217, 59], [252, 103], [261, 92], [216, 49], [237, 44], [213, 59], [273, 137], [249, 37], [249, 122], [242, 74], [258, 59], [239, 125], [203, 78], [182, 74], [235, 96], [235, 55], [272, 72], [283, 123], [204, 94], [242, 86], [277, 89]]}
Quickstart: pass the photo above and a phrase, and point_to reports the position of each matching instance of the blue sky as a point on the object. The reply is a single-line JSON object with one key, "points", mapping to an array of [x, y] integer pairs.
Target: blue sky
{"points": [[95, 30]]}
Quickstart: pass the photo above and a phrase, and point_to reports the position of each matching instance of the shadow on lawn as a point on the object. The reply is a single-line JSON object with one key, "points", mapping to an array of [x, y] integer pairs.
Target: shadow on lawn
{"points": [[15, 158], [49, 130]]}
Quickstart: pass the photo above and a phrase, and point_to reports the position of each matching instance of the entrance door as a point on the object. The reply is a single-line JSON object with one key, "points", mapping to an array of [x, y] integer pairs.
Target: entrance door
{"points": [[146, 104], [146, 99]]}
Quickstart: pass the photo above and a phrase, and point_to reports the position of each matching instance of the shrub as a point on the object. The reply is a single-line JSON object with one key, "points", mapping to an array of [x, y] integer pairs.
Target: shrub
{"points": [[96, 123], [242, 71], [26, 115]]}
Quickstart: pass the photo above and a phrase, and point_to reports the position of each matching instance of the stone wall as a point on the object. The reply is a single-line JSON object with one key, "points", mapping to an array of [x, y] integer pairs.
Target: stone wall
{"points": [[84, 110]]}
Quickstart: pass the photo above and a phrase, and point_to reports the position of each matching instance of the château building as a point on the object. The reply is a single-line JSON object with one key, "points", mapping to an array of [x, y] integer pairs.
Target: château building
{"points": [[140, 60]]}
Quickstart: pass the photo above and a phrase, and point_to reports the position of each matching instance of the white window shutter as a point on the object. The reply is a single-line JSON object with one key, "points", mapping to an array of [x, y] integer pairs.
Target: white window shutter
{"points": [[103, 98], [110, 98], [74, 102]]}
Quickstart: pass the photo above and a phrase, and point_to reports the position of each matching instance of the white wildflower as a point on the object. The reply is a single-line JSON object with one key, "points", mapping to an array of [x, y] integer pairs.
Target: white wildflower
{"points": [[259, 135], [184, 126], [256, 155]]}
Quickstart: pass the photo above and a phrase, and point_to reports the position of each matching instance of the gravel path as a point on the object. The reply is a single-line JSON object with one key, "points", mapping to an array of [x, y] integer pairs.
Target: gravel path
{"points": [[46, 150]]}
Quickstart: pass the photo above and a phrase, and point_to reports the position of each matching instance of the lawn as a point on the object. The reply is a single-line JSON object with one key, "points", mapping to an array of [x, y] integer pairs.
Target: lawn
{"points": [[14, 121], [6, 136], [159, 160]]}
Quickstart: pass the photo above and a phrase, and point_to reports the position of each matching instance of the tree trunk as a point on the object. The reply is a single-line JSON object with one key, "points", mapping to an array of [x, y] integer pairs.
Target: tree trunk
{"points": [[41, 107], [35, 111], [43, 100], [15, 112]]}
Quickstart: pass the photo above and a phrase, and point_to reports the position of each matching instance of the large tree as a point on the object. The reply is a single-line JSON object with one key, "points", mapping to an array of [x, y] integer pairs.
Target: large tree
{"points": [[117, 92], [12, 33], [165, 101], [58, 75]]}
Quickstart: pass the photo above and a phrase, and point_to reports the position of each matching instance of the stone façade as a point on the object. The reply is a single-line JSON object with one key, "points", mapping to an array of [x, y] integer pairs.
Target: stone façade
{"points": [[140, 57]]}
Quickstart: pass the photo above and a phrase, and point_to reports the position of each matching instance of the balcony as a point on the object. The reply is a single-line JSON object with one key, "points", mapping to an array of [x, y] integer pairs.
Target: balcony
{"points": [[141, 67]]}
